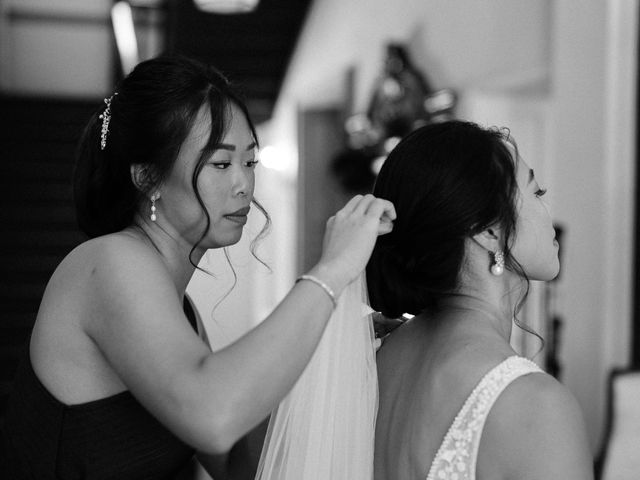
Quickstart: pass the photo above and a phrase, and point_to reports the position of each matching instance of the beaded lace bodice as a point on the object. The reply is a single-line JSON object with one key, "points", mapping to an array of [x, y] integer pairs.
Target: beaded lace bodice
{"points": [[457, 455]]}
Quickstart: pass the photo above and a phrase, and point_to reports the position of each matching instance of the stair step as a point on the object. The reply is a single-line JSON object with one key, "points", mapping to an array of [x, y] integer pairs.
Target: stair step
{"points": [[45, 110], [44, 241], [14, 336], [25, 276], [36, 262], [19, 306], [19, 133], [38, 215], [5, 390], [24, 320], [42, 169], [16, 203], [30, 264], [25, 149], [6, 387], [10, 357], [13, 293], [34, 191]]}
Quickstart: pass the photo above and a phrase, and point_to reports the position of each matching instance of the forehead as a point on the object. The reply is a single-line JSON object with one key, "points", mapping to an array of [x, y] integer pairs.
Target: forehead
{"points": [[236, 131], [523, 172], [523, 169], [200, 130]]}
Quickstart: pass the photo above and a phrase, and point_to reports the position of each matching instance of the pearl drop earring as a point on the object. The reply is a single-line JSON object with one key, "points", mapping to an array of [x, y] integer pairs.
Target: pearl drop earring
{"points": [[498, 263], [153, 216]]}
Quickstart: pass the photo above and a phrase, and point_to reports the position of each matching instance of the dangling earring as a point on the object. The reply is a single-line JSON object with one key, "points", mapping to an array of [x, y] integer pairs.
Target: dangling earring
{"points": [[498, 263], [153, 208]]}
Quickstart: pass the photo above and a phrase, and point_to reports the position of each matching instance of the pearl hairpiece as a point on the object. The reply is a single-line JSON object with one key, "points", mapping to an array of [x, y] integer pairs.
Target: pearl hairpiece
{"points": [[106, 118]]}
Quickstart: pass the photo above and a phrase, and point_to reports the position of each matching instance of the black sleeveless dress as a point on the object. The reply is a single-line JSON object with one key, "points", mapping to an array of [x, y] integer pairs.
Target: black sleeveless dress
{"points": [[109, 438]]}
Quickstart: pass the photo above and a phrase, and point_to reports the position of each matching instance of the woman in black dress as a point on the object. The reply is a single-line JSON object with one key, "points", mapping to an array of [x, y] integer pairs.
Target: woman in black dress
{"points": [[117, 384]]}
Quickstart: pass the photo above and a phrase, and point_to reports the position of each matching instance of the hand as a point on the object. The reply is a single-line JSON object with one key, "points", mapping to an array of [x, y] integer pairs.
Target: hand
{"points": [[350, 237], [383, 326]]}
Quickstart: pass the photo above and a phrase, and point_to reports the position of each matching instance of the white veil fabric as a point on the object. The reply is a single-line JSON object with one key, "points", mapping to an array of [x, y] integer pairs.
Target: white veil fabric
{"points": [[324, 428]]}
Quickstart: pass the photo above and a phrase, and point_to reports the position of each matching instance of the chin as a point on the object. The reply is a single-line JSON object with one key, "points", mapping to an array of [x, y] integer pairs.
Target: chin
{"points": [[210, 243], [542, 269], [546, 274], [230, 240]]}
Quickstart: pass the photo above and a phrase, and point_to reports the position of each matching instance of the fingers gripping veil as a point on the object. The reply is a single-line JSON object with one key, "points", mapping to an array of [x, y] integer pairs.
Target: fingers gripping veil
{"points": [[324, 428]]}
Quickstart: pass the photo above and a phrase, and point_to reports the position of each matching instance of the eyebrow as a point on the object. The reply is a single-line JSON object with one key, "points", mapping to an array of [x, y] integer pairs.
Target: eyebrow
{"points": [[232, 148]]}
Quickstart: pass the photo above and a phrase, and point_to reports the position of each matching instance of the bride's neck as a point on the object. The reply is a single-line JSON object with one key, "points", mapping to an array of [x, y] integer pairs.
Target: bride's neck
{"points": [[492, 314], [486, 300]]}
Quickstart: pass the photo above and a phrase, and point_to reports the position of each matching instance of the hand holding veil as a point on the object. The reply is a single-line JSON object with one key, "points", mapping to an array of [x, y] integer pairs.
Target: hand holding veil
{"points": [[324, 428]]}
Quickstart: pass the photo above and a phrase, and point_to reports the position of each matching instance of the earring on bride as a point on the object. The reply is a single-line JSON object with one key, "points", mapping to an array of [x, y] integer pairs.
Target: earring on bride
{"points": [[497, 268]]}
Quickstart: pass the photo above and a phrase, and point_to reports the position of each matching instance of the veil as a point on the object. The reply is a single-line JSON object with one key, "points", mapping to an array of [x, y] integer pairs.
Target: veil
{"points": [[324, 428]]}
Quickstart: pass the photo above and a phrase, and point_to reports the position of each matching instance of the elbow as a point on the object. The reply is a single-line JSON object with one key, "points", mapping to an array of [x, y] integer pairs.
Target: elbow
{"points": [[218, 445], [210, 438], [222, 433], [217, 415]]}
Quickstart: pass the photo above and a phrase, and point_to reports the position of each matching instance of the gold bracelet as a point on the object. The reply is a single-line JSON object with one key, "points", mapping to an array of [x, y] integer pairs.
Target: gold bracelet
{"points": [[322, 285]]}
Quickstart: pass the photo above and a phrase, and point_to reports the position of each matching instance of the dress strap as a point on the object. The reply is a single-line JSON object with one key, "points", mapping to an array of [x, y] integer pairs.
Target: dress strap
{"points": [[456, 458]]}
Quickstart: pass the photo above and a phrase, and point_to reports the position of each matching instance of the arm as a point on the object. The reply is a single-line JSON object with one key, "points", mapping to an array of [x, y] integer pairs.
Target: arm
{"points": [[241, 463], [536, 431], [211, 399]]}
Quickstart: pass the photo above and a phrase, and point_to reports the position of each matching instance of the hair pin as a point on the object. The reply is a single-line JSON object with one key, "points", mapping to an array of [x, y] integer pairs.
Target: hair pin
{"points": [[106, 118]]}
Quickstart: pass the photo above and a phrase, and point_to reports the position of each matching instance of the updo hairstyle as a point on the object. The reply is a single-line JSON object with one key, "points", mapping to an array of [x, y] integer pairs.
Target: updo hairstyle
{"points": [[448, 181]]}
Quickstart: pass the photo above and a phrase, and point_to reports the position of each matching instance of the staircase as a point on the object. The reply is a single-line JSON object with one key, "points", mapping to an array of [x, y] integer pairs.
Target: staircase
{"points": [[38, 138]]}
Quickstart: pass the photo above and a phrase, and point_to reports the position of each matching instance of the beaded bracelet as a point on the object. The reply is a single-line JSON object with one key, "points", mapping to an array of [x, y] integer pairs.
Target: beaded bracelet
{"points": [[322, 285]]}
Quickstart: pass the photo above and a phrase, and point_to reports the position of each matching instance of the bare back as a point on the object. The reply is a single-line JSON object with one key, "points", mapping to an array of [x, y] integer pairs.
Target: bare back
{"points": [[427, 373], [64, 356], [422, 388]]}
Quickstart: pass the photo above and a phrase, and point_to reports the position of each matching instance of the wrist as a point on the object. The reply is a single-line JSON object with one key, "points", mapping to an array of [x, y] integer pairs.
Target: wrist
{"points": [[326, 288], [332, 277]]}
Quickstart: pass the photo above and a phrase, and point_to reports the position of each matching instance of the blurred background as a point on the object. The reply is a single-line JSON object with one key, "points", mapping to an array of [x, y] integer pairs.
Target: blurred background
{"points": [[332, 85]]}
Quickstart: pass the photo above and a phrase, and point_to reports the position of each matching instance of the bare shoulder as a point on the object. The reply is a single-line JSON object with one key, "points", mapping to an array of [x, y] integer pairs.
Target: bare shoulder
{"points": [[536, 430], [121, 260], [116, 277], [94, 267], [119, 250]]}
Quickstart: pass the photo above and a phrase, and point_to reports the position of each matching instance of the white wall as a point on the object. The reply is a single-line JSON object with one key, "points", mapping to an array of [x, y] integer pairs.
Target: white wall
{"points": [[458, 42], [563, 70], [593, 113]]}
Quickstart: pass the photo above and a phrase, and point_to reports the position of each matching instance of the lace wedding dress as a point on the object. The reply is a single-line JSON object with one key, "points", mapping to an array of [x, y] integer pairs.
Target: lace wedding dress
{"points": [[457, 456]]}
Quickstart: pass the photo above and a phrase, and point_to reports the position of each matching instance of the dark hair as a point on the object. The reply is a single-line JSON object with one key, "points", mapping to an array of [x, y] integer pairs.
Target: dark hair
{"points": [[448, 181], [151, 115]]}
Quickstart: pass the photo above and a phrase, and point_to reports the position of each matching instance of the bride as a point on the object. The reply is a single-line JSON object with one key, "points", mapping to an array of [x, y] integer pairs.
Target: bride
{"points": [[456, 401]]}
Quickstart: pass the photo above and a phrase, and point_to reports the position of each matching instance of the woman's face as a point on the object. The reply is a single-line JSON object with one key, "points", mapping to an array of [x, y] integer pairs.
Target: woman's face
{"points": [[535, 246], [225, 183]]}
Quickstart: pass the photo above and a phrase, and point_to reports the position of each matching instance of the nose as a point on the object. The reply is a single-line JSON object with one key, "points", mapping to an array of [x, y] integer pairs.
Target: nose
{"points": [[242, 182]]}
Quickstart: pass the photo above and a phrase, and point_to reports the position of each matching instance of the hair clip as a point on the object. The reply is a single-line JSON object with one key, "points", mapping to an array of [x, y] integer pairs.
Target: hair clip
{"points": [[106, 118]]}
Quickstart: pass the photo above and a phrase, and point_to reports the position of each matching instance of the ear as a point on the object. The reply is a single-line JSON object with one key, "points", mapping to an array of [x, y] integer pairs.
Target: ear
{"points": [[489, 239], [142, 178]]}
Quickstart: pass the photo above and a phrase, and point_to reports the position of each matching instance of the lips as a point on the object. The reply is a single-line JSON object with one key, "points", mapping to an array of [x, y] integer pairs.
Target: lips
{"points": [[239, 216]]}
